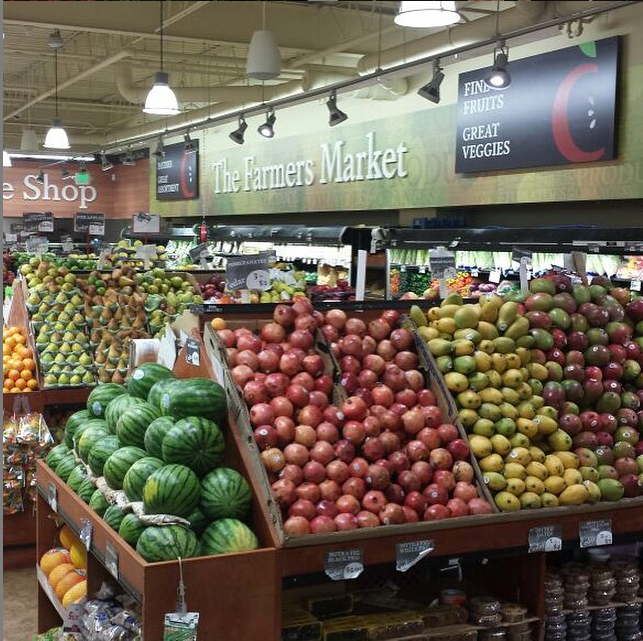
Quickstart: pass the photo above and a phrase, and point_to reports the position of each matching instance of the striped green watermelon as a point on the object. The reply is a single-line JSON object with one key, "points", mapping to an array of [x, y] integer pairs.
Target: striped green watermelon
{"points": [[196, 442], [77, 476], [114, 516], [88, 439], [98, 503], [225, 494], [72, 424], [174, 489], [167, 542], [101, 451], [80, 430], [144, 376], [86, 490], [133, 422], [101, 396], [226, 536], [195, 397], [65, 467], [117, 407], [118, 463], [137, 475], [198, 520], [154, 434], [56, 454], [131, 529], [159, 388]]}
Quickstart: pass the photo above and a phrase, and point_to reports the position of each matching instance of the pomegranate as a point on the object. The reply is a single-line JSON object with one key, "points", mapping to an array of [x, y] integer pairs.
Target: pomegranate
{"points": [[392, 514], [345, 521], [296, 454], [296, 526], [281, 406], [284, 492], [265, 437]]}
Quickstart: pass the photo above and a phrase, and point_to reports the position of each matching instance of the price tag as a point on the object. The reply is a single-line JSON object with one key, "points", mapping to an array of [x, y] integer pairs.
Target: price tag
{"points": [[249, 272], [408, 554], [73, 614], [197, 310], [422, 269], [258, 279], [475, 273], [111, 560], [144, 223], [192, 356], [102, 257], [635, 285], [450, 272], [41, 221], [90, 223], [343, 565], [52, 496], [146, 253], [86, 533], [440, 260], [593, 533], [548, 538], [495, 275], [37, 245], [175, 621], [520, 255], [67, 246]]}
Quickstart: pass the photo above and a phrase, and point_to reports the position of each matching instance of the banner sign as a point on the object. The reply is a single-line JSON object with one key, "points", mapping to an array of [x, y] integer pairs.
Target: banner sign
{"points": [[560, 108], [42, 221], [90, 223], [177, 173]]}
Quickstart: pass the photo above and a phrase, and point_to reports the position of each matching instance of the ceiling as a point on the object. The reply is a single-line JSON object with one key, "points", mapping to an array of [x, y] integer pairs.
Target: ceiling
{"points": [[111, 53]]}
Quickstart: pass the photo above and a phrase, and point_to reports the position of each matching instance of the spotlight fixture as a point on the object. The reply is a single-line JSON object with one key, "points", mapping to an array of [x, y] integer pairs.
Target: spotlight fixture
{"points": [[426, 14], [237, 134], [336, 115], [40, 178], [431, 91], [160, 149], [267, 129], [128, 158], [66, 174], [105, 165], [189, 146], [161, 100], [6, 159], [82, 177], [498, 77], [56, 137]]}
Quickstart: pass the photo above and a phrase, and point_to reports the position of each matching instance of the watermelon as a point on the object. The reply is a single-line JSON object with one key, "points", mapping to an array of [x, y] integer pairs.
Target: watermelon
{"points": [[144, 376], [101, 396], [198, 520], [80, 430], [113, 516], [65, 467], [77, 476], [131, 529], [88, 439], [118, 463], [158, 389], [196, 442], [98, 503], [173, 489], [138, 473], [117, 407], [167, 542], [194, 397], [226, 536], [154, 434], [57, 454], [86, 490], [225, 494], [73, 422], [101, 451], [133, 422]]}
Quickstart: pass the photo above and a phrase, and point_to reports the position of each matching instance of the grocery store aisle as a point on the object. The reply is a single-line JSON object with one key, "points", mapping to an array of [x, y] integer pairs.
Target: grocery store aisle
{"points": [[19, 605]]}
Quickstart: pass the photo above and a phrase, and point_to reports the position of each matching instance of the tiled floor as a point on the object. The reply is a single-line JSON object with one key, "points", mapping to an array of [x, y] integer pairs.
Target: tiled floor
{"points": [[19, 605]]}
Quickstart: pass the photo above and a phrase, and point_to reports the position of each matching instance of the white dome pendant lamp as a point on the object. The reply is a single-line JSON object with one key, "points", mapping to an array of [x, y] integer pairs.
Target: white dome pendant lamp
{"points": [[56, 137], [264, 61], [161, 100], [423, 15]]}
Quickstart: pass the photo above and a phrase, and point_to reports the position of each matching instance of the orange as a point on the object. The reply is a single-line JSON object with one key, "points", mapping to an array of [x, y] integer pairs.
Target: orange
{"points": [[15, 390], [21, 383], [75, 593], [32, 384], [26, 374], [29, 364], [218, 323], [6, 350], [20, 339], [10, 342], [13, 374], [59, 572], [53, 558]]}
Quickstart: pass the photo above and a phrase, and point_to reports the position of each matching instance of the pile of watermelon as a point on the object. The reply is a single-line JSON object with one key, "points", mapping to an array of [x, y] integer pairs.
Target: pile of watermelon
{"points": [[160, 440]]}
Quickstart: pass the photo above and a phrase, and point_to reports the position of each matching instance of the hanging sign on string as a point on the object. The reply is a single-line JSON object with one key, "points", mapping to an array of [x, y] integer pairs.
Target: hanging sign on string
{"points": [[40, 221], [92, 223], [249, 272]]}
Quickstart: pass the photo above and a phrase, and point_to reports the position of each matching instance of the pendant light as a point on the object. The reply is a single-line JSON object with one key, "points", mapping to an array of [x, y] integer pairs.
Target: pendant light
{"points": [[56, 137], [161, 100], [264, 62], [28, 140], [424, 15]]}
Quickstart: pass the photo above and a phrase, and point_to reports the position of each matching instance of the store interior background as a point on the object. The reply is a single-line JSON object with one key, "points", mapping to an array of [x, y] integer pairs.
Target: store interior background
{"points": [[573, 194]]}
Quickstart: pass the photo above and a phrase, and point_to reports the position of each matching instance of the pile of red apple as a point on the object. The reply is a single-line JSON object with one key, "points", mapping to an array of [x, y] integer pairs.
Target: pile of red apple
{"points": [[383, 456]]}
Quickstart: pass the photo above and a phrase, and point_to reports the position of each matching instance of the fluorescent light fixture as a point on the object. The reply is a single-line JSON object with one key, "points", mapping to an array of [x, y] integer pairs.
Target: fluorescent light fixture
{"points": [[28, 141], [6, 159], [267, 128], [336, 115], [264, 62], [104, 163], [238, 134], [431, 91], [498, 77], [188, 144], [160, 149], [56, 137], [161, 100], [36, 155], [426, 14]]}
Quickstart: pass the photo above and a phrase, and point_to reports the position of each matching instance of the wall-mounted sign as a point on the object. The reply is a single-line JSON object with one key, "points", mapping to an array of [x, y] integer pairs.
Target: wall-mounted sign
{"points": [[42, 221], [177, 173], [144, 223], [560, 108], [50, 190], [89, 223]]}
